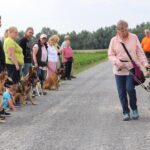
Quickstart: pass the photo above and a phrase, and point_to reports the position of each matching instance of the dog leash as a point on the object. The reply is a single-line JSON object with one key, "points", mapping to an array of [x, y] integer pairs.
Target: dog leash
{"points": [[137, 80]]}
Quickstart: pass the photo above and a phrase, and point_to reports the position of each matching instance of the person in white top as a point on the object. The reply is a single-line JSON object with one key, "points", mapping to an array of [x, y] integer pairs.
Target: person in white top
{"points": [[52, 56]]}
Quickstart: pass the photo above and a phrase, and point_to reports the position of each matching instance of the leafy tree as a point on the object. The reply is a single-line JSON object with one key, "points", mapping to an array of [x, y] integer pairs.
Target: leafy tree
{"points": [[91, 40]]}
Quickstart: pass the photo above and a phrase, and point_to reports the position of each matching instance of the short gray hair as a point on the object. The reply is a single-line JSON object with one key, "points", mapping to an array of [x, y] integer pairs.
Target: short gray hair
{"points": [[121, 25]]}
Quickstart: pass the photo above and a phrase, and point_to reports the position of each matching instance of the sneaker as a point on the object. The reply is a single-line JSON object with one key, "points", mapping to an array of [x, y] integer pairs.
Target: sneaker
{"points": [[4, 113], [126, 117], [135, 114]]}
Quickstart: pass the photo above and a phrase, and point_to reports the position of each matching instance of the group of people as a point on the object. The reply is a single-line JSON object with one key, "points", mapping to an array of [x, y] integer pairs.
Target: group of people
{"points": [[122, 65], [17, 56], [47, 56]]}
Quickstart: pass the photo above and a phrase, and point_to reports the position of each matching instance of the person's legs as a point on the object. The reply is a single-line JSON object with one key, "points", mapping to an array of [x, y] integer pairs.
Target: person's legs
{"points": [[121, 87], [52, 66], [25, 69], [42, 77], [2, 67], [13, 73], [147, 69], [66, 69], [131, 92], [69, 70], [132, 96]]}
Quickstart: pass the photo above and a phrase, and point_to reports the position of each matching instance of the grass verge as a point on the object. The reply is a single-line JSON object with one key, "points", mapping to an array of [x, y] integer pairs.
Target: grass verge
{"points": [[84, 61]]}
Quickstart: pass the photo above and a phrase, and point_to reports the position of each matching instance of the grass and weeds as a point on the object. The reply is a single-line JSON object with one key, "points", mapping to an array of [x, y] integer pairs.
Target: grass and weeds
{"points": [[85, 60]]}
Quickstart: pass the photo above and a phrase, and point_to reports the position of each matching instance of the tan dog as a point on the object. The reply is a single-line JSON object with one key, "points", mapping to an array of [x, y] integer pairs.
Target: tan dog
{"points": [[52, 82]]}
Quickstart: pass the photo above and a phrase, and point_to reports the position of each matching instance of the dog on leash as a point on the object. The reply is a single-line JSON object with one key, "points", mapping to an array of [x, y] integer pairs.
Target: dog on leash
{"points": [[35, 83], [22, 91], [52, 82]]}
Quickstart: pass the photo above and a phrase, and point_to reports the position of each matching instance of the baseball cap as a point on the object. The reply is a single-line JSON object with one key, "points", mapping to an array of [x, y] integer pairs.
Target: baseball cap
{"points": [[43, 36]]}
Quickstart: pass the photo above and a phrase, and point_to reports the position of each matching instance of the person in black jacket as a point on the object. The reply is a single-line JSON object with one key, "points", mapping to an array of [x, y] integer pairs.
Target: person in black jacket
{"points": [[2, 55], [40, 58], [26, 45]]}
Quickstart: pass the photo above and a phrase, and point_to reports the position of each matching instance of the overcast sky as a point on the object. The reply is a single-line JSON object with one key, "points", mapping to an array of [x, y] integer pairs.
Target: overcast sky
{"points": [[68, 15]]}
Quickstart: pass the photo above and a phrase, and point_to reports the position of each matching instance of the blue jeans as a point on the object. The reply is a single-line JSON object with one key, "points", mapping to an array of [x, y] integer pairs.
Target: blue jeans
{"points": [[125, 85], [25, 69], [41, 75]]}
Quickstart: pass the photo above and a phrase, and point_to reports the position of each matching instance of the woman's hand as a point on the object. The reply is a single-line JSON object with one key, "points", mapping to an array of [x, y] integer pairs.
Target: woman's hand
{"points": [[121, 66], [17, 67], [147, 66], [36, 65]]}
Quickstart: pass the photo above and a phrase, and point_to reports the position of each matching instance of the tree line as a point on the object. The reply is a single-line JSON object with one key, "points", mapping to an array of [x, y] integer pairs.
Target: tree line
{"points": [[98, 39]]}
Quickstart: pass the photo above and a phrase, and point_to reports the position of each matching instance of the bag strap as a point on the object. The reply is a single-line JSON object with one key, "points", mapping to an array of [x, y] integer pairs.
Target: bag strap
{"points": [[126, 51]]}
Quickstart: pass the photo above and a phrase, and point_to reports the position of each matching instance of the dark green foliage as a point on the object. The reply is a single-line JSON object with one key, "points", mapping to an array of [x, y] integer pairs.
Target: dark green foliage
{"points": [[91, 40]]}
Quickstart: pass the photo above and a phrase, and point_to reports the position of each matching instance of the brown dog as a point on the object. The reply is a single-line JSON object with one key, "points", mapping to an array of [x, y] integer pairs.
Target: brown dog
{"points": [[23, 90], [52, 82], [3, 77]]}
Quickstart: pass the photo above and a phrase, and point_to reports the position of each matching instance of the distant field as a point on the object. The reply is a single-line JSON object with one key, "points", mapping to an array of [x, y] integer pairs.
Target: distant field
{"points": [[90, 50], [85, 60]]}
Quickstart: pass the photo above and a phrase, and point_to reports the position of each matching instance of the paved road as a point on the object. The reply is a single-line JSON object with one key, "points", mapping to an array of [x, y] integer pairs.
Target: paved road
{"points": [[84, 114]]}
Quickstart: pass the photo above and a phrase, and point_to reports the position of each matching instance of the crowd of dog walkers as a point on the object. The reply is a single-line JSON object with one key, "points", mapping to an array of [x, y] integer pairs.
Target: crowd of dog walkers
{"points": [[46, 57], [17, 58]]}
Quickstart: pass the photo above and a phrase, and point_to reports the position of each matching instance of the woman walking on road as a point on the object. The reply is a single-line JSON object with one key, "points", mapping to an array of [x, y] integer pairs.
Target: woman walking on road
{"points": [[121, 65]]}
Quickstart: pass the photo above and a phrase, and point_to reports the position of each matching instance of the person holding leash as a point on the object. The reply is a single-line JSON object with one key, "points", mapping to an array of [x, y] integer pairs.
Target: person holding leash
{"points": [[121, 65]]}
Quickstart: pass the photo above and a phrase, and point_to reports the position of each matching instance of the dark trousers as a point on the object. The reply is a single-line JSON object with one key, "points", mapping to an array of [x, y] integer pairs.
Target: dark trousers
{"points": [[148, 57], [68, 67], [125, 85], [13, 73], [41, 75], [2, 67]]}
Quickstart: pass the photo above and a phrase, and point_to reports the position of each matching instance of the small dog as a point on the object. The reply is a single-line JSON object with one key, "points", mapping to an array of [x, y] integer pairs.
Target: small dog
{"points": [[36, 85], [52, 82]]}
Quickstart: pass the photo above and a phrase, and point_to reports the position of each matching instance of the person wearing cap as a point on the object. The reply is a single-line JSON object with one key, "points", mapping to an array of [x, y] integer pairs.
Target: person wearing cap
{"points": [[25, 44], [40, 57], [7, 95], [13, 54], [146, 47], [2, 55]]}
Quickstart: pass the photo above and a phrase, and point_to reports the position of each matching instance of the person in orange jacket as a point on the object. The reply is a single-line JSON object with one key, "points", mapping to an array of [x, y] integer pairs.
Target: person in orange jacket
{"points": [[146, 47]]}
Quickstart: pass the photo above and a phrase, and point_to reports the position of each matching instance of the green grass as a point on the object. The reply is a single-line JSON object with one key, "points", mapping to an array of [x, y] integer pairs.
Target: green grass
{"points": [[83, 61]]}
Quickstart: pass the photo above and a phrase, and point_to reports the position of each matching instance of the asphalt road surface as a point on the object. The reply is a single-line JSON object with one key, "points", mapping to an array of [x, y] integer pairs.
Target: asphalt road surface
{"points": [[85, 114]]}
